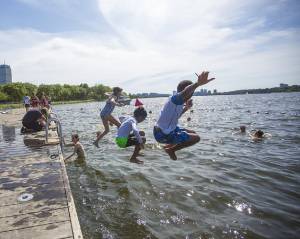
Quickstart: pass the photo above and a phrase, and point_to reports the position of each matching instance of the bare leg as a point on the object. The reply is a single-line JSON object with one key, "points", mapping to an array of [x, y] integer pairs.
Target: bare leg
{"points": [[194, 138], [136, 151], [113, 120], [106, 130]]}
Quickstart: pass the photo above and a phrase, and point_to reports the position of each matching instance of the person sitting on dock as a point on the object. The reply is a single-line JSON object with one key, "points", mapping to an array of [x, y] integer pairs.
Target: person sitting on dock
{"points": [[34, 120], [34, 101], [78, 148], [126, 139], [166, 130]]}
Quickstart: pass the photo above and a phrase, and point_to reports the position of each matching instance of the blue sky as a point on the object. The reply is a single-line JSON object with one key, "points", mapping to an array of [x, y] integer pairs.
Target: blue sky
{"points": [[148, 46]]}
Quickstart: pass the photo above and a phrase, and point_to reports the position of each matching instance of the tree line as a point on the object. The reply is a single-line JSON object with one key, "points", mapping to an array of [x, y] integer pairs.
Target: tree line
{"points": [[14, 92]]}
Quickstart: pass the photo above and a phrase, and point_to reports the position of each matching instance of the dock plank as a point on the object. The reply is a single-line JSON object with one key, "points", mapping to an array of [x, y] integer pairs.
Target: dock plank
{"points": [[33, 219], [49, 231], [32, 207]]}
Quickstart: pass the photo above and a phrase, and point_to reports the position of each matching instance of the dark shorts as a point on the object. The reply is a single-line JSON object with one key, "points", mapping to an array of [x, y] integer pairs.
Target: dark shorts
{"points": [[32, 125], [127, 142], [177, 136], [27, 105]]}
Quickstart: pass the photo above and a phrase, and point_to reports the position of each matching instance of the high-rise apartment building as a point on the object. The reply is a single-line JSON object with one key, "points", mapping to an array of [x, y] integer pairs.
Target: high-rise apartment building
{"points": [[5, 74]]}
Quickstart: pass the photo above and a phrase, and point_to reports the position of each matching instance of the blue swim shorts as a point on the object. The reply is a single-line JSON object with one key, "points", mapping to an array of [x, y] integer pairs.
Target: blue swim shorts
{"points": [[177, 136]]}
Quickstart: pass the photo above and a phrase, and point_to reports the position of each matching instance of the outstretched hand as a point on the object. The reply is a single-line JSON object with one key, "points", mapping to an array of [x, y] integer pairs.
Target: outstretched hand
{"points": [[203, 78]]}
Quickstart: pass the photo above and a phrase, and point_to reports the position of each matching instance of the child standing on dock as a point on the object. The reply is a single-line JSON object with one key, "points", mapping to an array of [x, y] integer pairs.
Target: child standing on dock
{"points": [[126, 139], [166, 130], [106, 112]]}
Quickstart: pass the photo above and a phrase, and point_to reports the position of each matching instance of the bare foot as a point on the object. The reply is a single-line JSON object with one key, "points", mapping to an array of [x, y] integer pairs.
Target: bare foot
{"points": [[135, 160], [171, 153]]}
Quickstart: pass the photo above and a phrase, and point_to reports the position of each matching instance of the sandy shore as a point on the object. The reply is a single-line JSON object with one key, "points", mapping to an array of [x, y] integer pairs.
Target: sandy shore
{"points": [[12, 117]]}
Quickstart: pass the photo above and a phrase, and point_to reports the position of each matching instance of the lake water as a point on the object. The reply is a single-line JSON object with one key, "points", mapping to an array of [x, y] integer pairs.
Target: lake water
{"points": [[226, 186]]}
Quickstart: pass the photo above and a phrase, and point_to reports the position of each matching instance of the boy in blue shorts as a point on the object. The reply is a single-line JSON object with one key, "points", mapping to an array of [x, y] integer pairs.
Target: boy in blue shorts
{"points": [[126, 139], [166, 130]]}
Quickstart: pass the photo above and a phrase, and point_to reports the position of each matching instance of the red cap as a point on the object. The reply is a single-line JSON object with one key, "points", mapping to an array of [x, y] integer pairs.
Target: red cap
{"points": [[138, 102]]}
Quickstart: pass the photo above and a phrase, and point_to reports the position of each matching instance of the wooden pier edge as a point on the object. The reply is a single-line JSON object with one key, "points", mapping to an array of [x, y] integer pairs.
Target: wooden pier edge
{"points": [[76, 229]]}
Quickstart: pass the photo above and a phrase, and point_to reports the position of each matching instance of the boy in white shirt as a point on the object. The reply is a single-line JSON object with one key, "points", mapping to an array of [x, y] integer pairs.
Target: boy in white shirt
{"points": [[126, 139], [166, 130]]}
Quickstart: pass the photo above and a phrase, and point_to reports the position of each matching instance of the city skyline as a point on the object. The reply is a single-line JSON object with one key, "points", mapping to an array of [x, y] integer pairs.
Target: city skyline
{"points": [[147, 47]]}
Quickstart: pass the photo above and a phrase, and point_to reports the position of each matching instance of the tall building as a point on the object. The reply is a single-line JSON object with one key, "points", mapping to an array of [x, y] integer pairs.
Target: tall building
{"points": [[5, 74]]}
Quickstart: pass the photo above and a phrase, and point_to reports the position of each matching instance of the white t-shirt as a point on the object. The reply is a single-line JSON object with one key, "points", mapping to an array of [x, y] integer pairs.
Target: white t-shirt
{"points": [[170, 114], [26, 100], [128, 125]]}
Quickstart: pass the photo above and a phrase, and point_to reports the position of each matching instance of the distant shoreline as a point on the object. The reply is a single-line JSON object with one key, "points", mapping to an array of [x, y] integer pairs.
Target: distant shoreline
{"points": [[4, 106], [285, 89], [20, 105]]}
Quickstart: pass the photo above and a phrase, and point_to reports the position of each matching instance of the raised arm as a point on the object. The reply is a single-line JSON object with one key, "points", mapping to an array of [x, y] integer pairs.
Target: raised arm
{"points": [[189, 90]]}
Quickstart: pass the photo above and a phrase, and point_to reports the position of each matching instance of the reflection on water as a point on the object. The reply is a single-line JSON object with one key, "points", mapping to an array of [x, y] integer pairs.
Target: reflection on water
{"points": [[226, 186], [8, 133]]}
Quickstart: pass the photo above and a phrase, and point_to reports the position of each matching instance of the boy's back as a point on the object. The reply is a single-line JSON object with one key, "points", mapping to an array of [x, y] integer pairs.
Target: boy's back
{"points": [[170, 114], [128, 125]]}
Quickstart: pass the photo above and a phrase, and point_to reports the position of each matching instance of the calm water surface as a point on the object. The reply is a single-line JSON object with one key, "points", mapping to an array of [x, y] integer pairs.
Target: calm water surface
{"points": [[226, 186]]}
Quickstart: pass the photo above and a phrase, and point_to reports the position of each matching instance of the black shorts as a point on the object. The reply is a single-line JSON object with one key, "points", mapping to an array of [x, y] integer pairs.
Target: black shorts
{"points": [[32, 125], [27, 105], [132, 140]]}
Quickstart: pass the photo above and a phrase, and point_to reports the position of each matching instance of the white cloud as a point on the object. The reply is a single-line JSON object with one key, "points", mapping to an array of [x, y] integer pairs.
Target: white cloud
{"points": [[158, 43]]}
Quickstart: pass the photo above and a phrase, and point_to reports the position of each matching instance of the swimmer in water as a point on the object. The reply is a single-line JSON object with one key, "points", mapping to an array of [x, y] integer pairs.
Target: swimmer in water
{"points": [[78, 148], [259, 134], [242, 129]]}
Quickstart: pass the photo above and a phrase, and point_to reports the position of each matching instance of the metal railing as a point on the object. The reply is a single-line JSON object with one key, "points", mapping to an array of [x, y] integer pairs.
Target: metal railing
{"points": [[58, 129]]}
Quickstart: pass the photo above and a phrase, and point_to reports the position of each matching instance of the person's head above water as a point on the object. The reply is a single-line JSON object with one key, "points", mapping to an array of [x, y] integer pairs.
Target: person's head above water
{"points": [[75, 138], [140, 114], [117, 91], [259, 134], [243, 128]]}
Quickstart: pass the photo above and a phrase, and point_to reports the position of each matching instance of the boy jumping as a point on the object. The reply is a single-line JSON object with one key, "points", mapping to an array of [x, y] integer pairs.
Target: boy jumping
{"points": [[166, 130], [126, 139]]}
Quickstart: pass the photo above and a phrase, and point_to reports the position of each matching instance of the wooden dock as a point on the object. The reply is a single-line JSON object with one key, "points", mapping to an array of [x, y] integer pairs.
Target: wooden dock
{"points": [[35, 196]]}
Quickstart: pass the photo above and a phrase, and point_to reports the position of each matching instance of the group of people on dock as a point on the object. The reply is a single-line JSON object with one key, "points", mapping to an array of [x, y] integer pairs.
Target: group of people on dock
{"points": [[36, 112], [35, 102]]}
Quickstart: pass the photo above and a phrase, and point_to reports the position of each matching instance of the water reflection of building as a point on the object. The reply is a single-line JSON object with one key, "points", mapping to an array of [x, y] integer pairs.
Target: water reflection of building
{"points": [[5, 74], [9, 133]]}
